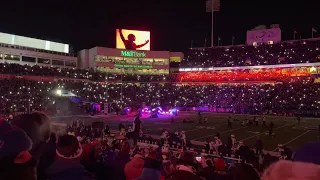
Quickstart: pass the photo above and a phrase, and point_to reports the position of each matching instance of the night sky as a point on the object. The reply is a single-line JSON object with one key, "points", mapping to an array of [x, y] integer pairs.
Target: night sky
{"points": [[173, 23]]}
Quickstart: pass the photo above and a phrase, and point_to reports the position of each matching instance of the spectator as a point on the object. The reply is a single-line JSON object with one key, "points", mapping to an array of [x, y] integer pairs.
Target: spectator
{"points": [[15, 160], [243, 171], [208, 169], [186, 168], [117, 165], [287, 170], [47, 157], [37, 127], [67, 163], [133, 168], [259, 146], [151, 168]]}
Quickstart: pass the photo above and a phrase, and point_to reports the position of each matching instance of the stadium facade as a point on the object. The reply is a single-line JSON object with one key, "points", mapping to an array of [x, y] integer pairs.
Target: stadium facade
{"points": [[25, 50], [31, 51], [123, 61]]}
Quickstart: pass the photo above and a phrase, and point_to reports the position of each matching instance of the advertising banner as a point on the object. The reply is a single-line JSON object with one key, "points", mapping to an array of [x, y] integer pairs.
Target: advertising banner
{"points": [[263, 36], [132, 39]]}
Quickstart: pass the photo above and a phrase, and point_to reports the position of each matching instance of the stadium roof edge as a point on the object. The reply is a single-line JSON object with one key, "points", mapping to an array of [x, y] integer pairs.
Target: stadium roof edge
{"points": [[240, 45], [23, 41]]}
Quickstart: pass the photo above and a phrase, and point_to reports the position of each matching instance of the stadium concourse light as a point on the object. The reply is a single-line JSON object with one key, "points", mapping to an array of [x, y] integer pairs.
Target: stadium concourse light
{"points": [[313, 69]]}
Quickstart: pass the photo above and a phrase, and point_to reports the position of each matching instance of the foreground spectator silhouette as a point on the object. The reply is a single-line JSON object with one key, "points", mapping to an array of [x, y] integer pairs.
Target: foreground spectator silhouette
{"points": [[67, 162], [133, 168], [151, 168], [186, 168], [15, 160]]}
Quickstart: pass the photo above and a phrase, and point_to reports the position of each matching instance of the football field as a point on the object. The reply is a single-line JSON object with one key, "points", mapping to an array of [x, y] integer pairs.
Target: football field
{"points": [[287, 131]]}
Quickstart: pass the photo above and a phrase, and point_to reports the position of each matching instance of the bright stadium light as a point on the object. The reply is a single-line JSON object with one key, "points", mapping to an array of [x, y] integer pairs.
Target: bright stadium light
{"points": [[59, 92], [313, 69]]}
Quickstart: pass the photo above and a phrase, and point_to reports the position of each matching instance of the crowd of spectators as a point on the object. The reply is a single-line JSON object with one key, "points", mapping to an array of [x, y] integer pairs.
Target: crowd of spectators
{"points": [[261, 75], [85, 152], [301, 95], [72, 73], [290, 52]]}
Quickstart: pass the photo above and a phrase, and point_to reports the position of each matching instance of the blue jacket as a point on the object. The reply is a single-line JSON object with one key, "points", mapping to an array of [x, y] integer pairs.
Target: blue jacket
{"points": [[151, 170], [63, 169], [149, 173]]}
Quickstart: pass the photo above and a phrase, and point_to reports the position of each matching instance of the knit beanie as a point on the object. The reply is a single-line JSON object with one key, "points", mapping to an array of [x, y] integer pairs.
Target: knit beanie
{"points": [[68, 147]]}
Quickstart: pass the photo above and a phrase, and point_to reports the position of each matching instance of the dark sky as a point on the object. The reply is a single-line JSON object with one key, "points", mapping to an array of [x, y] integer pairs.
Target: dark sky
{"points": [[173, 23]]}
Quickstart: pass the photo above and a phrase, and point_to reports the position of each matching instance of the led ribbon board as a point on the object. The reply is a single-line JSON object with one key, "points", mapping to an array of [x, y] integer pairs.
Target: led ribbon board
{"points": [[132, 66]]}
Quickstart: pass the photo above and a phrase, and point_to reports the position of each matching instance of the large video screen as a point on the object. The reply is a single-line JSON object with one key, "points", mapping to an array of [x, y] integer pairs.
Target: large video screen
{"points": [[132, 39]]}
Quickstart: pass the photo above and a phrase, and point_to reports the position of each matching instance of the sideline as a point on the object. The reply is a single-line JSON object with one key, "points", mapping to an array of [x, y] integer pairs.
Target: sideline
{"points": [[267, 131], [222, 132], [293, 139]]}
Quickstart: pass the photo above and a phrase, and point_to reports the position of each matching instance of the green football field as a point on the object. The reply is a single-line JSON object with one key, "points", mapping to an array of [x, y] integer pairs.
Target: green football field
{"points": [[287, 131]]}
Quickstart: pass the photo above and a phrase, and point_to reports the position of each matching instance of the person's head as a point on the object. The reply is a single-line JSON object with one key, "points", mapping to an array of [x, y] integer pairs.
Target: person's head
{"points": [[68, 147], [15, 160], [187, 159], [291, 170], [131, 37], [243, 171], [168, 167], [35, 125], [125, 147]]}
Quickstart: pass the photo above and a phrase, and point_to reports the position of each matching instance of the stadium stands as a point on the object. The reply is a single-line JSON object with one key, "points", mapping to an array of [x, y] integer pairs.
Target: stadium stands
{"points": [[288, 52]]}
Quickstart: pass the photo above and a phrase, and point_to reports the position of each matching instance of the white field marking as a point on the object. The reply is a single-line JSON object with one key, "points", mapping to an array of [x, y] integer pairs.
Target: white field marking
{"points": [[294, 139], [205, 128], [221, 132], [193, 130], [253, 132], [267, 131]]}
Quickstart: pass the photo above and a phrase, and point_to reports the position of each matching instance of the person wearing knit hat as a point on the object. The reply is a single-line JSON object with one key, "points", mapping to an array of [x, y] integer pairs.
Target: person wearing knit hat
{"points": [[69, 147], [67, 164], [15, 160]]}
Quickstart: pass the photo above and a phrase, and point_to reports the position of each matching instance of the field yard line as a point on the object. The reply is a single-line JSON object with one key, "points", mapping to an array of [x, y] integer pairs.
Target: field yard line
{"points": [[267, 131], [222, 132], [217, 125], [192, 130], [293, 139]]}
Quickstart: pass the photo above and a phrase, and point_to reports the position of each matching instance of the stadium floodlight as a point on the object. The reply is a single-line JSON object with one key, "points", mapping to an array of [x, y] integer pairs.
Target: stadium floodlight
{"points": [[212, 6], [59, 92]]}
